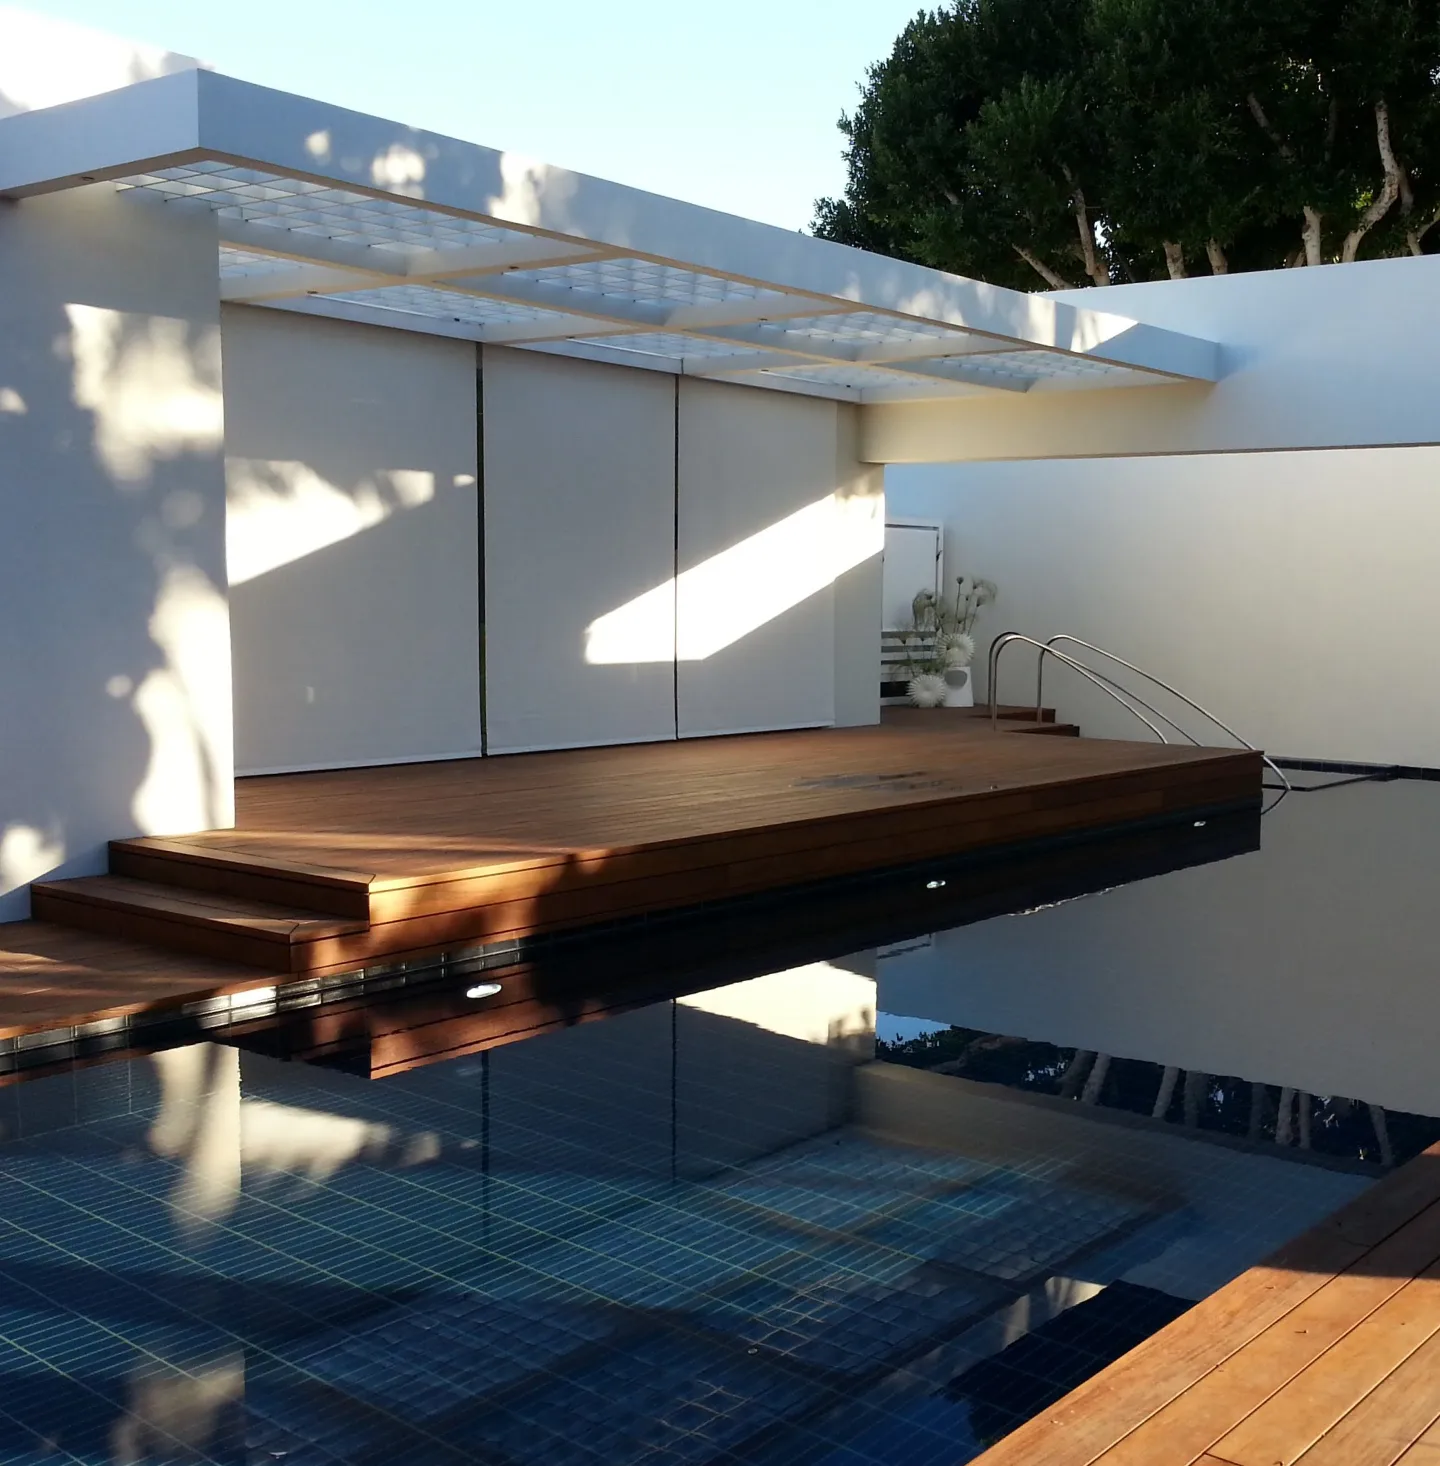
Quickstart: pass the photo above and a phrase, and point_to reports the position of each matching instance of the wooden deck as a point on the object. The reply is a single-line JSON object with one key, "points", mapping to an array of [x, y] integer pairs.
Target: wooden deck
{"points": [[326, 872], [1328, 1354]]}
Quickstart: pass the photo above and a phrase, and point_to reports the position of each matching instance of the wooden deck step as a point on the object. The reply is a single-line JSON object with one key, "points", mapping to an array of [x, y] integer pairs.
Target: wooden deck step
{"points": [[211, 924], [250, 876]]}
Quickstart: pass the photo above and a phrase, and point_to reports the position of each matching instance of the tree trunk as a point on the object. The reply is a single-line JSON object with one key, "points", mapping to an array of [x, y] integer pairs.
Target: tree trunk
{"points": [[1090, 1095], [1054, 281], [1383, 201], [1259, 1104], [1414, 236], [1094, 267], [1311, 233], [1287, 1110], [1219, 264], [1302, 1108], [1075, 1073], [1382, 1134], [1311, 236], [1175, 260], [1167, 1092], [1195, 1087]]}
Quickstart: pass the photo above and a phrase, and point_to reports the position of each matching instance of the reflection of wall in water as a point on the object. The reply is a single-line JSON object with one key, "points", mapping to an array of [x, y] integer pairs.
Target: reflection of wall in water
{"points": [[1310, 964]]}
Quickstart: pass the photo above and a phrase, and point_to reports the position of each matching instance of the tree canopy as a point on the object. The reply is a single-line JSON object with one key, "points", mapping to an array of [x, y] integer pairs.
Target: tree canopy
{"points": [[1053, 143]]}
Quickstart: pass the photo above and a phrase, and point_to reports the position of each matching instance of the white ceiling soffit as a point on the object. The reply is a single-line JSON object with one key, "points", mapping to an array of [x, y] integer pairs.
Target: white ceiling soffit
{"points": [[340, 214]]}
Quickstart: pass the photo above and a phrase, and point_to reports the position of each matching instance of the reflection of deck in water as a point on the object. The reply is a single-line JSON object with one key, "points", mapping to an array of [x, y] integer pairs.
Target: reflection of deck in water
{"points": [[330, 871], [707, 1228]]}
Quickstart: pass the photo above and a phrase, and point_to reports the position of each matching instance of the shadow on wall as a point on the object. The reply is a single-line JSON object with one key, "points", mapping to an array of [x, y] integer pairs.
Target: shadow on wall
{"points": [[115, 633]]}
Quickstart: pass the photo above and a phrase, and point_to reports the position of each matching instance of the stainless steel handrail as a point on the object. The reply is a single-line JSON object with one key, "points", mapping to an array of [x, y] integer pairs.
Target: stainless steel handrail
{"points": [[1174, 692], [1132, 702], [1105, 686]]}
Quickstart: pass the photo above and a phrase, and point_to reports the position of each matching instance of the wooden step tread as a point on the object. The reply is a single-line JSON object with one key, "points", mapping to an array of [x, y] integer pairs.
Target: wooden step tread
{"points": [[205, 871], [191, 908]]}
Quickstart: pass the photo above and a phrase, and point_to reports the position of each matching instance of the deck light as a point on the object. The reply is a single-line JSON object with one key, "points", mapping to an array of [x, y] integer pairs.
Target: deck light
{"points": [[933, 885], [483, 990]]}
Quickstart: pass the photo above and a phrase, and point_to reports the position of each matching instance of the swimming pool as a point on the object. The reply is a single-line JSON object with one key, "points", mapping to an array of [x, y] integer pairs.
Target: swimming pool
{"points": [[706, 1224]]}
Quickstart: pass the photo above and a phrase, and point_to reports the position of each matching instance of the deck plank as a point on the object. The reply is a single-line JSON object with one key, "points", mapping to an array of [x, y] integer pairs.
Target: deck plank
{"points": [[1233, 1390], [1388, 1421], [332, 870], [1287, 1425], [1095, 1418]]}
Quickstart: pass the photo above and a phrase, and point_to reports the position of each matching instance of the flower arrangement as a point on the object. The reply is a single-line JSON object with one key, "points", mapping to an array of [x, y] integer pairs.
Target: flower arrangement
{"points": [[940, 637]]}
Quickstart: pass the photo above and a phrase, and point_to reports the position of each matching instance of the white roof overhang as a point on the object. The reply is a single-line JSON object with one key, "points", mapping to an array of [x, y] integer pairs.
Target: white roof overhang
{"points": [[336, 213]]}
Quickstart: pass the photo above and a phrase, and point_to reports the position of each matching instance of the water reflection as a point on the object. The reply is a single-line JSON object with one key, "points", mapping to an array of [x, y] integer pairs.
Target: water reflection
{"points": [[219, 1138], [712, 1227], [1308, 963], [1323, 1125]]}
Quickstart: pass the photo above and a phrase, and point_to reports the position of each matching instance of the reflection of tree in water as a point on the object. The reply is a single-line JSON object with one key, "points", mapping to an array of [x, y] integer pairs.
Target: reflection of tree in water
{"points": [[1329, 1125]]}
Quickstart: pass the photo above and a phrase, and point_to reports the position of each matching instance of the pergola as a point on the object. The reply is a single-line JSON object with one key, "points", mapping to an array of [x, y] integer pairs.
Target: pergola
{"points": [[335, 213]]}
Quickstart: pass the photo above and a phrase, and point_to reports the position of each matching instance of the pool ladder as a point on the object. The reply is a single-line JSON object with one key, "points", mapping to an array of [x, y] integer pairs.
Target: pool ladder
{"points": [[1131, 701]]}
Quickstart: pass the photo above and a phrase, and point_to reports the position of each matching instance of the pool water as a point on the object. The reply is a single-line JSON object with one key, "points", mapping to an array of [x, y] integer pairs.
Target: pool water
{"points": [[714, 1226]]}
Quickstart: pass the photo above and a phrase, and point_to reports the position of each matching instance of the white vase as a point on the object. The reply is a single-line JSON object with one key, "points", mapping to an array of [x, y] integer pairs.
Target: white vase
{"points": [[960, 687]]}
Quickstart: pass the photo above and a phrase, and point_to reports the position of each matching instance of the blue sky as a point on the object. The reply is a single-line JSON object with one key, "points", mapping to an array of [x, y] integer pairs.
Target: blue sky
{"points": [[728, 104]]}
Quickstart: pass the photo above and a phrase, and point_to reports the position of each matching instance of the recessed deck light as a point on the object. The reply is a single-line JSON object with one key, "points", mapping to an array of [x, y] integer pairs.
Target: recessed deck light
{"points": [[933, 885], [483, 990]]}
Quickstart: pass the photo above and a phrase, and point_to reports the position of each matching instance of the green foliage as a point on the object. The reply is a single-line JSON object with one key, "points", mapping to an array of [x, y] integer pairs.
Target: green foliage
{"points": [[1053, 142]]}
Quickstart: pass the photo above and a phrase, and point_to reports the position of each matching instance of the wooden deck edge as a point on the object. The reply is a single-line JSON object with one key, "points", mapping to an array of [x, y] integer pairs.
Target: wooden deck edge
{"points": [[1059, 790], [711, 884]]}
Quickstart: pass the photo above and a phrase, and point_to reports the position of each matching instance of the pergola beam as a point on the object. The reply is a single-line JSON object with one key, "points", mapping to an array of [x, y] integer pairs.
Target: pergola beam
{"points": [[572, 313], [391, 267]]}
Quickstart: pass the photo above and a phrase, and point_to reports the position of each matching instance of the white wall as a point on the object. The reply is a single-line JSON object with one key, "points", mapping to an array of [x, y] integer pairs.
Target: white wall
{"points": [[115, 711], [1339, 356], [45, 61], [579, 525], [860, 495], [1294, 594], [353, 542]]}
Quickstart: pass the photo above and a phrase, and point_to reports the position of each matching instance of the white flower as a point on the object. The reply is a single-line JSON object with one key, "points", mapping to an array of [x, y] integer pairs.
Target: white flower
{"points": [[927, 690], [958, 649]]}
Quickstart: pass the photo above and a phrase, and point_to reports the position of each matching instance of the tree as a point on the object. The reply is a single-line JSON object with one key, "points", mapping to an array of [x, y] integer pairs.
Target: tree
{"points": [[1056, 142]]}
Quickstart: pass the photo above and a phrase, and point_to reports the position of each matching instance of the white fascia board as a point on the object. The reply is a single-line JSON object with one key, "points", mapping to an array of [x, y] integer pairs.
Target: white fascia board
{"points": [[293, 134], [151, 124]]}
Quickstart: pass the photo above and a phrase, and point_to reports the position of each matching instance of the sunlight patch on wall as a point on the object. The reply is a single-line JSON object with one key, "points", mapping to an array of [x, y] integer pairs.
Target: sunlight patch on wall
{"points": [[278, 512], [45, 61], [185, 709], [527, 186], [819, 1004], [28, 854], [716, 603], [152, 384]]}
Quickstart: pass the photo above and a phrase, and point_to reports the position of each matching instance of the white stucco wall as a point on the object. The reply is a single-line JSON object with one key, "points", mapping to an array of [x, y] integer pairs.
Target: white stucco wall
{"points": [[1267, 544], [1294, 594], [114, 626], [45, 61], [1335, 357], [353, 542]]}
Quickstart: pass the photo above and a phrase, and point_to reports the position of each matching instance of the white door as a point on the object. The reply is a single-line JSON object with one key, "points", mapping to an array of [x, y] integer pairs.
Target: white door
{"points": [[912, 563]]}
